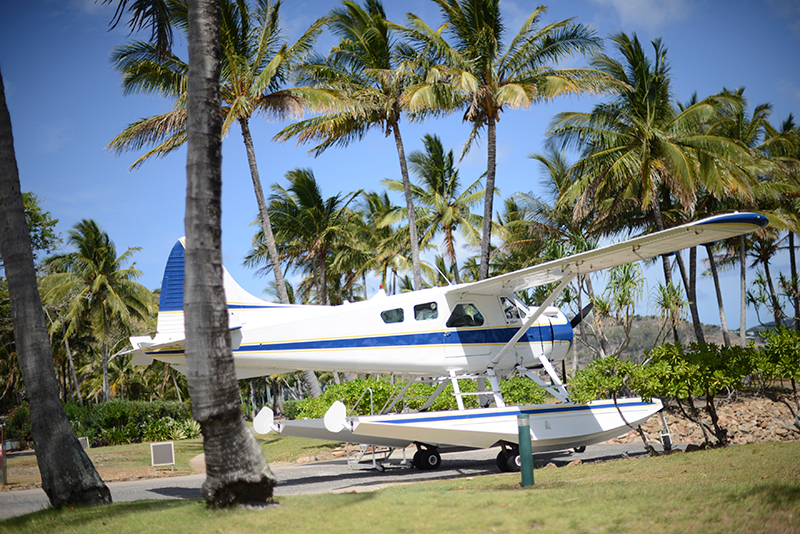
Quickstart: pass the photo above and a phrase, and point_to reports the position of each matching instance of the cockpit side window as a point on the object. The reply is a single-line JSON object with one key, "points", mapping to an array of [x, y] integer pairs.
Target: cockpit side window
{"points": [[510, 310], [393, 316], [426, 312], [465, 315]]}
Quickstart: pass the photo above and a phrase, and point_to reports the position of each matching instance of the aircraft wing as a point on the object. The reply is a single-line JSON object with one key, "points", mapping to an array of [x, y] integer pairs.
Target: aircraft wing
{"points": [[667, 241]]}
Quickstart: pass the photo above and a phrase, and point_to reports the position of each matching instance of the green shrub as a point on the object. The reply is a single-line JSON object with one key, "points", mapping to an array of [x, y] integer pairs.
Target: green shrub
{"points": [[515, 391], [291, 408], [18, 423]]}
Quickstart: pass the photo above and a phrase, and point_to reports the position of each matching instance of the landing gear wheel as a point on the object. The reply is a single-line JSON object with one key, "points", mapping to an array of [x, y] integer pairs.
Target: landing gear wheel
{"points": [[502, 461], [430, 459], [580, 449], [514, 462], [416, 461]]}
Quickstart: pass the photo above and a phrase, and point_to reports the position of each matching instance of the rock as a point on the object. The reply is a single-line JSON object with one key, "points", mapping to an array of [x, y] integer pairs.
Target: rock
{"points": [[551, 464], [574, 462]]}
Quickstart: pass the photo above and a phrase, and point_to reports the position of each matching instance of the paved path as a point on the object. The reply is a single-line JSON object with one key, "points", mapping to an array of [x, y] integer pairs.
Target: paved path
{"points": [[322, 477]]}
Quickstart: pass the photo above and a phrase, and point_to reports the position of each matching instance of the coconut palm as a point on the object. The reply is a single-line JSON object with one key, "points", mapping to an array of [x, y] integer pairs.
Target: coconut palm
{"points": [[68, 476], [100, 288], [237, 472], [236, 469], [370, 71], [641, 147], [477, 73], [306, 225], [441, 205], [255, 62]]}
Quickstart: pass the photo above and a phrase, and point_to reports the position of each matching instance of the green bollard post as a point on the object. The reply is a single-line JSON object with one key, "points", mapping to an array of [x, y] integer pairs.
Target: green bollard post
{"points": [[525, 454]]}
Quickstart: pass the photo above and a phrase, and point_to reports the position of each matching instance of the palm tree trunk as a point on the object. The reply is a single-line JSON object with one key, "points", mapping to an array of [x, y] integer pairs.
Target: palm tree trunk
{"points": [[776, 307], [104, 355], [605, 346], [742, 293], [263, 213], [412, 216], [664, 258], [722, 322], [175, 384], [486, 237], [690, 283], [795, 294], [68, 476], [312, 384], [72, 372], [236, 470]]}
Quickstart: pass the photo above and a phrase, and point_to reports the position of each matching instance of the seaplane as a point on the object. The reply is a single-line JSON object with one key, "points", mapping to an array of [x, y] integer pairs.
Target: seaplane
{"points": [[477, 330]]}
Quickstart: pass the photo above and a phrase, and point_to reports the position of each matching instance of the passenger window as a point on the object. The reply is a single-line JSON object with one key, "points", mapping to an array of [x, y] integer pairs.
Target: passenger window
{"points": [[393, 316], [426, 312], [465, 315]]}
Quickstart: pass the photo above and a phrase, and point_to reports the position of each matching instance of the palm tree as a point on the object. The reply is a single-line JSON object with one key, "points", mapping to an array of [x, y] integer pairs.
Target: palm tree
{"points": [[255, 64], [101, 291], [441, 205], [68, 476], [639, 147], [478, 74], [370, 71], [306, 225], [236, 469]]}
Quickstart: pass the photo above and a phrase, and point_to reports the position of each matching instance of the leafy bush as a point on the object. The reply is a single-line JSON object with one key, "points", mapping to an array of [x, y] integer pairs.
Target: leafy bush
{"points": [[18, 423], [515, 391], [291, 408], [134, 421], [519, 390]]}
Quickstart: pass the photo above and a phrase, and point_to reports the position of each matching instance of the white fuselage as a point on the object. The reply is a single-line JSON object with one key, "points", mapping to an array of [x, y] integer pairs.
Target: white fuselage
{"points": [[406, 334]]}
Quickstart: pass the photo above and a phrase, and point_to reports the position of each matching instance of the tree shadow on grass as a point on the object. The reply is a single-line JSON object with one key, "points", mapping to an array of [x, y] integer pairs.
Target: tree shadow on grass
{"points": [[772, 496], [79, 518]]}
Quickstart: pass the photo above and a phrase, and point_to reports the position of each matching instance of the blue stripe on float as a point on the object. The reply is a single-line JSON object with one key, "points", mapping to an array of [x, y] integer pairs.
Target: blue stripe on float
{"points": [[531, 411]]}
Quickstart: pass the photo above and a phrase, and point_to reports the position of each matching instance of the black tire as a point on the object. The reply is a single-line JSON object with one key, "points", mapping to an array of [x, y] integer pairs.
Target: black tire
{"points": [[580, 449], [514, 462], [502, 461], [430, 459], [416, 461]]}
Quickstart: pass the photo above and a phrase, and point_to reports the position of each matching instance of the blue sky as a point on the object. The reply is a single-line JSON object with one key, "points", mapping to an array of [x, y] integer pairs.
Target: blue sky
{"points": [[66, 105]]}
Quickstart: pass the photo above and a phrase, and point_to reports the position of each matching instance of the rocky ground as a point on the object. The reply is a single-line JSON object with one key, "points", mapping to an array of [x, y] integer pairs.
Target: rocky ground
{"points": [[748, 419]]}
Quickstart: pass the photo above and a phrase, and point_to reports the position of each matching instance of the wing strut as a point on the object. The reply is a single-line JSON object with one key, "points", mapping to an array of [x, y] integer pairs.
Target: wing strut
{"points": [[560, 392], [532, 319]]}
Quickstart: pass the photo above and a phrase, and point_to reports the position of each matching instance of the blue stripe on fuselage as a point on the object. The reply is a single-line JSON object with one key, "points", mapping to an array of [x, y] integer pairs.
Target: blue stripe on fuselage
{"points": [[485, 336]]}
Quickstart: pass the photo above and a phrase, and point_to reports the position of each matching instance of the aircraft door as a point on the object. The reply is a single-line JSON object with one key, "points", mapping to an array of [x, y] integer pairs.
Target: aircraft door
{"points": [[465, 337]]}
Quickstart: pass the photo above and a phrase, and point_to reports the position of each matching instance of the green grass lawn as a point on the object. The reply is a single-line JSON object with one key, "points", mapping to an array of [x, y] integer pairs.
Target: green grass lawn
{"points": [[123, 462], [749, 488]]}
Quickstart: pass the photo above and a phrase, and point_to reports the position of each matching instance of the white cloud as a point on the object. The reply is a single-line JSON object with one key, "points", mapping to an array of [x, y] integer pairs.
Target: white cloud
{"points": [[651, 14]]}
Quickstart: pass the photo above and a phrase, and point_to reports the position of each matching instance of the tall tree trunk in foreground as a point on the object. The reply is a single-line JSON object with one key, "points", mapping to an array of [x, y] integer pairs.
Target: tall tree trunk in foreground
{"points": [[236, 470], [68, 476]]}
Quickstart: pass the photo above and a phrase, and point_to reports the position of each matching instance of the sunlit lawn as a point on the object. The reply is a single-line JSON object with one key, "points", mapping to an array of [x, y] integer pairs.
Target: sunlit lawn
{"points": [[122, 462], [752, 488]]}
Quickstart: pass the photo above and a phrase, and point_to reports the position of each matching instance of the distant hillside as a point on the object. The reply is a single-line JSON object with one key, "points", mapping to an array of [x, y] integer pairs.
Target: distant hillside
{"points": [[643, 338]]}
